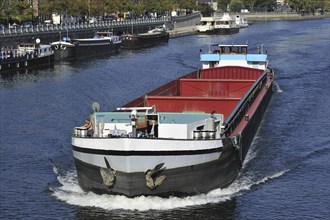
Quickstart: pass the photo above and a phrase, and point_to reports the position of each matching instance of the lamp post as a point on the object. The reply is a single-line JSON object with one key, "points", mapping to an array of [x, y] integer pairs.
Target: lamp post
{"points": [[31, 6]]}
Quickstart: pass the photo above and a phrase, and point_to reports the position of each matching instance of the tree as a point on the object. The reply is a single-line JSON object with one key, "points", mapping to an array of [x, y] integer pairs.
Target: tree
{"points": [[222, 4], [6, 9], [235, 5], [45, 8], [138, 8], [20, 11], [262, 5], [205, 9], [186, 4], [249, 4], [306, 6]]}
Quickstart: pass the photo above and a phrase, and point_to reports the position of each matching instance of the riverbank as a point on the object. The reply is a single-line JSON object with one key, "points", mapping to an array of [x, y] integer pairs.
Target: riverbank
{"points": [[251, 17], [265, 16]]}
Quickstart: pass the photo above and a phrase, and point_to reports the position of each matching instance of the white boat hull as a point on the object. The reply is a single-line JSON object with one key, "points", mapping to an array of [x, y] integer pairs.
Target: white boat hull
{"points": [[138, 155]]}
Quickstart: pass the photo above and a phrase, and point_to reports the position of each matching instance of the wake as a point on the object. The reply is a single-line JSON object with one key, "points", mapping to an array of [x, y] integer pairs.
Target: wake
{"points": [[277, 88], [70, 192]]}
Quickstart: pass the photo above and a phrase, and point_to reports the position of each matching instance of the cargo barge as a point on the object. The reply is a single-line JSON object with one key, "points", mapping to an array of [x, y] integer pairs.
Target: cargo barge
{"points": [[186, 137]]}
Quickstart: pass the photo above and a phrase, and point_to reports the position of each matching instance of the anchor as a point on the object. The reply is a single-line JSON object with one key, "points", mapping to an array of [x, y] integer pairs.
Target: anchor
{"points": [[152, 176], [108, 174]]}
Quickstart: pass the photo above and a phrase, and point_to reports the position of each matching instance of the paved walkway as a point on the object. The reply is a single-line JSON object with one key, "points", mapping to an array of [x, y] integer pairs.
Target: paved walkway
{"points": [[182, 31]]}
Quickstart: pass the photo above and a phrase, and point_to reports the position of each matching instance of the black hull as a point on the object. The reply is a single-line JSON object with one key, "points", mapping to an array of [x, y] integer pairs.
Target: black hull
{"points": [[225, 31], [209, 32], [220, 31], [252, 127], [86, 51], [140, 41], [182, 181], [23, 62]]}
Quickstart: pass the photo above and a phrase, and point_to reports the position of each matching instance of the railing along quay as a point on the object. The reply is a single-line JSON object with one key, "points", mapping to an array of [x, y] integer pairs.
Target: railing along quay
{"points": [[52, 32], [42, 28]]}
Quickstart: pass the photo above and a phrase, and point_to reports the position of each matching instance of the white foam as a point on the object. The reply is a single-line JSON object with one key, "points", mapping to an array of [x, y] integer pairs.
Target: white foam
{"points": [[277, 87], [71, 193]]}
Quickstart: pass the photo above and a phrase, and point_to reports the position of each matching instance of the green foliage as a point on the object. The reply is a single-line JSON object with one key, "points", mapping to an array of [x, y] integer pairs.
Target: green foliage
{"points": [[249, 4], [22, 10], [205, 10], [308, 5], [222, 4], [16, 11], [235, 5], [264, 5]]}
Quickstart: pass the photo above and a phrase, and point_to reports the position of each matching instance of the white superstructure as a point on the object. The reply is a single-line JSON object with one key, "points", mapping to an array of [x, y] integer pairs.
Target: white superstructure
{"points": [[234, 55]]}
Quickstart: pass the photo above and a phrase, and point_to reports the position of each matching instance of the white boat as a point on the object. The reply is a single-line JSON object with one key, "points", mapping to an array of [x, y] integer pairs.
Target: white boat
{"points": [[225, 25], [241, 22], [206, 25], [100, 39], [62, 44], [25, 55], [186, 137]]}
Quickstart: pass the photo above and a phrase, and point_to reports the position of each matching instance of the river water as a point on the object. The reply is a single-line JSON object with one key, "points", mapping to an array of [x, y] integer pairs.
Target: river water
{"points": [[285, 176]]}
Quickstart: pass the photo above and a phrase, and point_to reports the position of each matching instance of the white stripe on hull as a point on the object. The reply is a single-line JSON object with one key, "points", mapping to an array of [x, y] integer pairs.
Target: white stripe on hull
{"points": [[130, 164], [136, 144]]}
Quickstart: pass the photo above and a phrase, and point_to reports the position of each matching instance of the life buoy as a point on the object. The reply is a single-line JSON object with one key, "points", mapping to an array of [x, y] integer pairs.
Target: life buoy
{"points": [[56, 47]]}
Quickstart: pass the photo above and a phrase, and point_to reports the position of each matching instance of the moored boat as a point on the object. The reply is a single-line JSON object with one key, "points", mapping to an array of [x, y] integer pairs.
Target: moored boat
{"points": [[153, 37], [63, 48], [241, 22], [206, 25], [25, 55], [186, 137], [225, 25], [101, 43]]}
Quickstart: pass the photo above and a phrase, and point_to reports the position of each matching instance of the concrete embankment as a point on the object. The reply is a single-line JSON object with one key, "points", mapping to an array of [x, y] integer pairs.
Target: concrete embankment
{"points": [[185, 26], [268, 16], [182, 31], [190, 28]]}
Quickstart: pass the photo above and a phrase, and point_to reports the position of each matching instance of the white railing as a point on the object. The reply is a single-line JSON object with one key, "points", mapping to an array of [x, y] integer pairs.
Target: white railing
{"points": [[84, 25]]}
